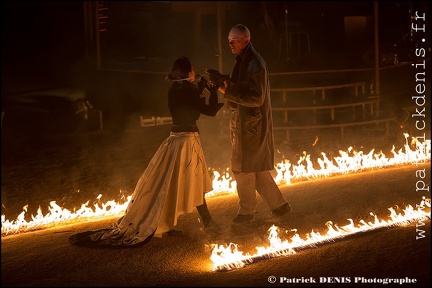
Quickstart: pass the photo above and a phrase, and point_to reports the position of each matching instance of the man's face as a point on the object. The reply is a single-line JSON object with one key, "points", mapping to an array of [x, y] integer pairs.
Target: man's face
{"points": [[237, 41]]}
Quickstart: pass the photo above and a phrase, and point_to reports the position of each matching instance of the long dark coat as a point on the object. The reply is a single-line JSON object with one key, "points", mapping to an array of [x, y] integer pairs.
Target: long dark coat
{"points": [[251, 121]]}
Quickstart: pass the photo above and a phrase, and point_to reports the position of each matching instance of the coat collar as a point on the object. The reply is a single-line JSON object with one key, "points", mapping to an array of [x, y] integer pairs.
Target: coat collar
{"points": [[246, 53]]}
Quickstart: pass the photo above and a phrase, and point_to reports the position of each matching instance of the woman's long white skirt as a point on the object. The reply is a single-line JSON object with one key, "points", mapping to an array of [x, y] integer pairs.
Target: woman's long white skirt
{"points": [[173, 183]]}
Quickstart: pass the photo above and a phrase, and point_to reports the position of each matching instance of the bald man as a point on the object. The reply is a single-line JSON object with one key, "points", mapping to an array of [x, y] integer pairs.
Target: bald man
{"points": [[251, 129]]}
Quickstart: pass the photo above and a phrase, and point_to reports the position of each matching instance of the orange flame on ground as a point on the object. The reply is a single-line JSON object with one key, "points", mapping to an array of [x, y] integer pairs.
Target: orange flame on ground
{"points": [[222, 184], [347, 162], [61, 215], [229, 257], [352, 161]]}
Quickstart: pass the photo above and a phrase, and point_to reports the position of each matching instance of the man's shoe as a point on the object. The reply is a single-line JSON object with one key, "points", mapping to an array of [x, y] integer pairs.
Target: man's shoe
{"points": [[279, 212], [243, 219]]}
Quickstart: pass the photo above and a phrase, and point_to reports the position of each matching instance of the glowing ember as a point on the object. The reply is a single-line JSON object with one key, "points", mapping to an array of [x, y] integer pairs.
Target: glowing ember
{"points": [[229, 257], [351, 161]]}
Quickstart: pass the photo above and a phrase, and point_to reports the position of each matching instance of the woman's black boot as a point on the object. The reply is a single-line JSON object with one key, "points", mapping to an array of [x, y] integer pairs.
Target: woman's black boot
{"points": [[205, 214]]}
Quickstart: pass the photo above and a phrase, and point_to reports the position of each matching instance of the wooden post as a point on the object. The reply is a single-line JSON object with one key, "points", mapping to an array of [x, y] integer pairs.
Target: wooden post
{"points": [[98, 52], [198, 15], [220, 23], [377, 78]]}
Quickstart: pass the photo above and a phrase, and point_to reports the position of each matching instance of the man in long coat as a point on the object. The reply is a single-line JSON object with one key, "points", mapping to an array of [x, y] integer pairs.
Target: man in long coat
{"points": [[251, 129]]}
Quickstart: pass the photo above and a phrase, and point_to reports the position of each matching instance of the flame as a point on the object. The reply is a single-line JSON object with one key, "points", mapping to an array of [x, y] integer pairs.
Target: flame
{"points": [[58, 214], [229, 257], [222, 184], [351, 161]]}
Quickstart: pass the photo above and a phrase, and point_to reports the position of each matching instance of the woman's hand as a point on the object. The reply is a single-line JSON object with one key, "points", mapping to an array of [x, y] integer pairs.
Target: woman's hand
{"points": [[222, 89]]}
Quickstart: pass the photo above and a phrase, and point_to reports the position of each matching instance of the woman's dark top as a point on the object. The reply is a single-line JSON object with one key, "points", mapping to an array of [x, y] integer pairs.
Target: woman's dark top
{"points": [[186, 104]]}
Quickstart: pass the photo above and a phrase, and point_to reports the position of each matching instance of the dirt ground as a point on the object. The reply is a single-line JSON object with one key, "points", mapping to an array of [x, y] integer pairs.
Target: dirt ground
{"points": [[73, 169]]}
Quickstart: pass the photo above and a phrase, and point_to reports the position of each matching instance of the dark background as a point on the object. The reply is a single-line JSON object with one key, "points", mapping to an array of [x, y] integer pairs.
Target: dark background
{"points": [[52, 41], [51, 44]]}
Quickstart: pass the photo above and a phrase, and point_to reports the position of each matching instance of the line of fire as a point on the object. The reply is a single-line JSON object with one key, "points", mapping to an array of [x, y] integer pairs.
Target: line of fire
{"points": [[229, 257]]}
